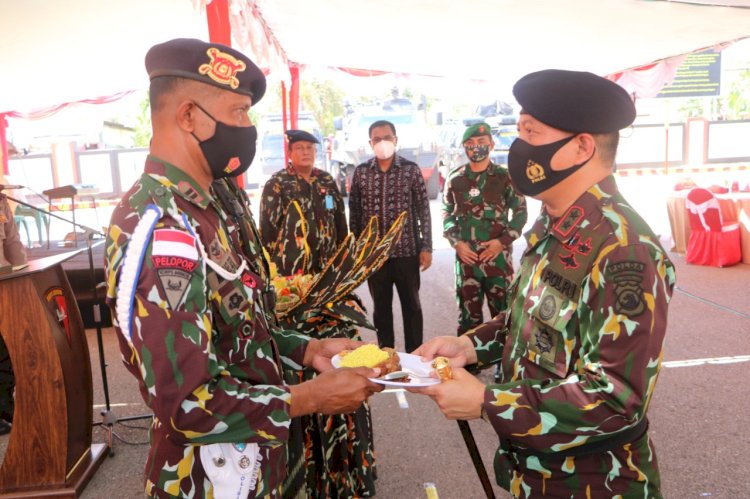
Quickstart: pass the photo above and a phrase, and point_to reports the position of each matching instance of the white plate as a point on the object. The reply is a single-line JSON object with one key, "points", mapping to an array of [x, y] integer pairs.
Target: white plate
{"points": [[419, 371]]}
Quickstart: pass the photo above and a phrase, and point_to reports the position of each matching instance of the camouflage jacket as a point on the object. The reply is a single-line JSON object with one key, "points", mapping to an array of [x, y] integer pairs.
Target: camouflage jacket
{"points": [[582, 347], [320, 225], [195, 332], [477, 206]]}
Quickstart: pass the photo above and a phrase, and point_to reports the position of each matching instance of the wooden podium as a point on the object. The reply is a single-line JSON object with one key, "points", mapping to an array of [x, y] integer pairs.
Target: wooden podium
{"points": [[49, 452]]}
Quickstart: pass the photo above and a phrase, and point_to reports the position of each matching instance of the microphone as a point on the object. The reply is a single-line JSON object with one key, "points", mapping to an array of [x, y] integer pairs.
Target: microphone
{"points": [[12, 186]]}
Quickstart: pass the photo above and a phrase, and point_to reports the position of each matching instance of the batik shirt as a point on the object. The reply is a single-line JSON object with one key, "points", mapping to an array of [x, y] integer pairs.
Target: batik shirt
{"points": [[582, 346], [198, 341], [305, 235], [386, 195], [477, 207]]}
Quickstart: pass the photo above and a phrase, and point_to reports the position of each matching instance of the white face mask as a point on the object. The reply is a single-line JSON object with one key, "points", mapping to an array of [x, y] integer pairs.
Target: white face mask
{"points": [[384, 149]]}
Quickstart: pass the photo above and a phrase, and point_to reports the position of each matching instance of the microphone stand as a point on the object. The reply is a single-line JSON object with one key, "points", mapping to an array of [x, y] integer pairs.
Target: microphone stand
{"points": [[108, 417]]}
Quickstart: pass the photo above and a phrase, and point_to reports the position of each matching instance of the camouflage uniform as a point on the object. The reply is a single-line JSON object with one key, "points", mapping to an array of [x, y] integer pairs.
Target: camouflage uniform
{"points": [[324, 220], [329, 456], [476, 208], [199, 342], [580, 353]]}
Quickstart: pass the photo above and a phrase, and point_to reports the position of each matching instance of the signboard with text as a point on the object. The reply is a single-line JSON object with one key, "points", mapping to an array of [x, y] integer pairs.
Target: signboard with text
{"points": [[699, 75]]}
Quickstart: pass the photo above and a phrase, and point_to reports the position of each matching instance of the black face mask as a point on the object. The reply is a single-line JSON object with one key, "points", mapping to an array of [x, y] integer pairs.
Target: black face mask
{"points": [[530, 166], [231, 149]]}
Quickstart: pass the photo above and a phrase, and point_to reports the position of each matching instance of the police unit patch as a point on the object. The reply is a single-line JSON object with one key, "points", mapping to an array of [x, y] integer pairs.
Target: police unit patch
{"points": [[174, 283], [543, 341], [548, 308], [628, 278], [175, 257]]}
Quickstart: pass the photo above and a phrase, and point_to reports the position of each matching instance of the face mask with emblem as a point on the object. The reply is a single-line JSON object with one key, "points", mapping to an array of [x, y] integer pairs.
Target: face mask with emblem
{"points": [[530, 166], [231, 149], [477, 153]]}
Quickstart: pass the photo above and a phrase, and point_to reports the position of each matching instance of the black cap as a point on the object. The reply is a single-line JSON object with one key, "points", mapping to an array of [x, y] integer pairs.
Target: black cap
{"points": [[211, 63], [293, 136], [575, 101]]}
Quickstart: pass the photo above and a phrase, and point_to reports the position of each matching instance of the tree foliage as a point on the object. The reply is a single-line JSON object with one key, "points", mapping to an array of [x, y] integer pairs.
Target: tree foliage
{"points": [[324, 99], [142, 137], [738, 100]]}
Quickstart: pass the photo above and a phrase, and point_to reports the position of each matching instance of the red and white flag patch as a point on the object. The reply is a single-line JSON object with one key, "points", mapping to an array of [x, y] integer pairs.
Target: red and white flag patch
{"points": [[173, 242]]}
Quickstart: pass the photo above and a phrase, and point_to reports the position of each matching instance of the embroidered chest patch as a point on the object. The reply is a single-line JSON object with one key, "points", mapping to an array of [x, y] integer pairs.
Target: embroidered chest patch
{"points": [[544, 343]]}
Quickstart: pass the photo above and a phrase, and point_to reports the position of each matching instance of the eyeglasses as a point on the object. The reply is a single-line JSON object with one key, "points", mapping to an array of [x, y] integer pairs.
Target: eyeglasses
{"points": [[389, 138], [303, 148]]}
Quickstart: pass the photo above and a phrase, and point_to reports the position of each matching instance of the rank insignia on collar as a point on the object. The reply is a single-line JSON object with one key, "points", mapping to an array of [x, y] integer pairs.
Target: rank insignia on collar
{"points": [[569, 220], [223, 68], [189, 191]]}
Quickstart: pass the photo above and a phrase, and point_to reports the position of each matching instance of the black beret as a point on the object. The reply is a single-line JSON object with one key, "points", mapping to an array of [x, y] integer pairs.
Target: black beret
{"points": [[575, 101], [293, 136], [211, 63]]}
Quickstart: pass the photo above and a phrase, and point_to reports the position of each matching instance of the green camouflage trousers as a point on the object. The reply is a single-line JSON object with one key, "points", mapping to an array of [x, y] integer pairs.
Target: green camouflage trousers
{"points": [[474, 282]]}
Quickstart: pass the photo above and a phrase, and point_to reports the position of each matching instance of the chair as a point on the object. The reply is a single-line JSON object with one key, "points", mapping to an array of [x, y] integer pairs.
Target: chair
{"points": [[712, 242], [21, 213]]}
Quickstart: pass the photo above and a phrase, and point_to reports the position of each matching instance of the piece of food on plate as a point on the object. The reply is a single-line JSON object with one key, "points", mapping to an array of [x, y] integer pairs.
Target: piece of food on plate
{"points": [[371, 356]]}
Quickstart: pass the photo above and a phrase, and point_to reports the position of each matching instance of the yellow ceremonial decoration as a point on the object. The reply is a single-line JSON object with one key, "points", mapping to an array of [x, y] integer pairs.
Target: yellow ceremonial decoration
{"points": [[355, 260]]}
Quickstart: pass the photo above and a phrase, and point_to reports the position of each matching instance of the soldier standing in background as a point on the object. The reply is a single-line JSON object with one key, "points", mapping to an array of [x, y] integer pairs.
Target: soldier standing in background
{"points": [[189, 288], [477, 204], [581, 344]]}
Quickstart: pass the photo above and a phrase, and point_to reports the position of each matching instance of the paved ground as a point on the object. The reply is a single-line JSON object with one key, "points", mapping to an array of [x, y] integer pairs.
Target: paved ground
{"points": [[698, 415]]}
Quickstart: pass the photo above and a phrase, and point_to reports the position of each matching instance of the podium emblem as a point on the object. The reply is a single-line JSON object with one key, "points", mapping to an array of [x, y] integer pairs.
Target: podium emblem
{"points": [[56, 303]]}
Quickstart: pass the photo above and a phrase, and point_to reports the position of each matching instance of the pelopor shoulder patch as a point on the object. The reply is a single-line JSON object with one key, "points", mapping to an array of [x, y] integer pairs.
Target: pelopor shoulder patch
{"points": [[174, 256], [628, 278]]}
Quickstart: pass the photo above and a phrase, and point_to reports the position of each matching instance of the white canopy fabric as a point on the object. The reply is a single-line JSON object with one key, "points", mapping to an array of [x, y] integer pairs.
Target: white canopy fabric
{"points": [[67, 50], [496, 40], [58, 51]]}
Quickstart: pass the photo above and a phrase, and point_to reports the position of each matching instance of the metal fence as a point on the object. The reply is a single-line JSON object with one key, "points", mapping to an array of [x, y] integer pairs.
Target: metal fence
{"points": [[113, 171]]}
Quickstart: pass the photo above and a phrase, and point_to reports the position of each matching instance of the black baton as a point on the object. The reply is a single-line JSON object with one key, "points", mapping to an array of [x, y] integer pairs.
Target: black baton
{"points": [[471, 446]]}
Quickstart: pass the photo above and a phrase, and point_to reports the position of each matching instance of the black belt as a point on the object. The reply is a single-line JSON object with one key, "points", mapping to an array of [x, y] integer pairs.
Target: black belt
{"points": [[616, 440]]}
